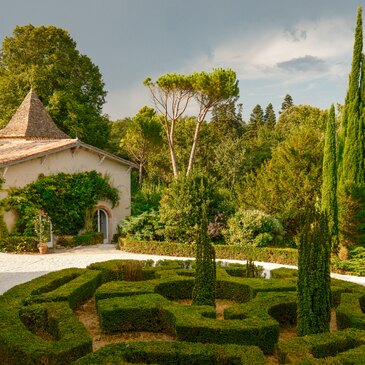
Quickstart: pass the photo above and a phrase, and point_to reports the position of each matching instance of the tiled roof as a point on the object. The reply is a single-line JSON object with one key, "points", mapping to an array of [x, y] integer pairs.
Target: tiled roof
{"points": [[32, 120], [31, 133]]}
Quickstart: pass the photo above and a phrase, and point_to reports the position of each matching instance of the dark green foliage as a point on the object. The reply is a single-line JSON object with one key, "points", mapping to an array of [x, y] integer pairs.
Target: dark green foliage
{"points": [[287, 256], [351, 150], [329, 179], [19, 244], [269, 117], [147, 198], [179, 353], [64, 197], [256, 120], [339, 346], [314, 293], [355, 264], [74, 292], [205, 275], [146, 226], [181, 206], [284, 185], [287, 103], [250, 270], [351, 311], [67, 82]]}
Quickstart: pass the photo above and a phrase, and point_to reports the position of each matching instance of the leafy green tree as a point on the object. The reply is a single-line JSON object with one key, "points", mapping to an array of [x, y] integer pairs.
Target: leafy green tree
{"points": [[270, 117], [226, 121], [205, 272], [329, 180], [211, 89], [284, 185], [256, 120], [172, 93], [118, 129], [67, 82], [181, 205], [314, 281], [287, 103], [142, 138]]}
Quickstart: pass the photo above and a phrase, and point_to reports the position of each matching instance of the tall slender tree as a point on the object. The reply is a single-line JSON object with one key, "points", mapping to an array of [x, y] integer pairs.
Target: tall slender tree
{"points": [[269, 117], [329, 181], [351, 150], [314, 280]]}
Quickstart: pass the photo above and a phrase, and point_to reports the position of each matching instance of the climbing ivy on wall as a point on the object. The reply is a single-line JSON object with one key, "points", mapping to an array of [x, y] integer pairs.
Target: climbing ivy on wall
{"points": [[66, 198]]}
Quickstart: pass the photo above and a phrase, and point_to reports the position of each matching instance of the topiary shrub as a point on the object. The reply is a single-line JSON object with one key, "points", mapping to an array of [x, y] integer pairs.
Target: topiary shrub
{"points": [[253, 228]]}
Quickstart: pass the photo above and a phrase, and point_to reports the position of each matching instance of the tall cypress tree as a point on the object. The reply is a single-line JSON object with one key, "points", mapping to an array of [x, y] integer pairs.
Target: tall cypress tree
{"points": [[351, 150], [205, 273], [314, 280], [329, 182]]}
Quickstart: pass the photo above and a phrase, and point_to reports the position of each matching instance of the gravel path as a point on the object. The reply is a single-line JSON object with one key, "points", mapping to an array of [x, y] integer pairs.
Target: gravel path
{"points": [[19, 268]]}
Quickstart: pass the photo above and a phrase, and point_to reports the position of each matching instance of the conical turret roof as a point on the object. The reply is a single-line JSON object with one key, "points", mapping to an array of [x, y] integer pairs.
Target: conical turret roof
{"points": [[32, 121]]}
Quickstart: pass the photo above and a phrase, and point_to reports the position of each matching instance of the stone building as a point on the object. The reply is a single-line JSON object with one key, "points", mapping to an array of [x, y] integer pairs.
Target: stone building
{"points": [[31, 144]]}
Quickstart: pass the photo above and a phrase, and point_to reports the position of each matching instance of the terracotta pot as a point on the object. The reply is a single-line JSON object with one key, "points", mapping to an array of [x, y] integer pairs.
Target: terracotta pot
{"points": [[43, 249]]}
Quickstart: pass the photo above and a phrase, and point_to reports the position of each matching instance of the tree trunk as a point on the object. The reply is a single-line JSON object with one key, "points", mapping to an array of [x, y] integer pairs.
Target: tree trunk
{"points": [[140, 174]]}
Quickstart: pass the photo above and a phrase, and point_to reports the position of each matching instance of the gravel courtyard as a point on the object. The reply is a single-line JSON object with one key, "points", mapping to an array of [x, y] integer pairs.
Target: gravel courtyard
{"points": [[19, 268]]}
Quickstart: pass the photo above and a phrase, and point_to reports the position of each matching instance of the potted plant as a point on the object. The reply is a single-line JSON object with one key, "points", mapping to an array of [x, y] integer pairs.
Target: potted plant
{"points": [[40, 224]]}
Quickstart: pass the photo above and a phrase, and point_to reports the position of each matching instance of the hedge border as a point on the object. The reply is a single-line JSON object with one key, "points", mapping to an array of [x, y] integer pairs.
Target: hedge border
{"points": [[175, 352], [287, 256]]}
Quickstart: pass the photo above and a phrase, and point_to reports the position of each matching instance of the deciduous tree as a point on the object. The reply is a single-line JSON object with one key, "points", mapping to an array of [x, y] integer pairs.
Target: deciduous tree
{"points": [[67, 82]]}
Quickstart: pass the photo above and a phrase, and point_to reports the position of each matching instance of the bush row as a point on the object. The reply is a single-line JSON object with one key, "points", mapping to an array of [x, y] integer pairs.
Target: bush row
{"points": [[342, 347], [19, 342], [19, 244], [85, 239], [154, 313], [182, 353], [350, 313], [286, 256]]}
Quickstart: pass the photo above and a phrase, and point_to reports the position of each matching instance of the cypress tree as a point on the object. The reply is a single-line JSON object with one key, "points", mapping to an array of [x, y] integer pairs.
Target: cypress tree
{"points": [[205, 272], [351, 151], [313, 288], [256, 120], [329, 181], [269, 117]]}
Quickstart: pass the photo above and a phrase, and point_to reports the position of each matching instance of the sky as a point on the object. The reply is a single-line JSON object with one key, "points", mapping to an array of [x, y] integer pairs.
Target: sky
{"points": [[276, 47]]}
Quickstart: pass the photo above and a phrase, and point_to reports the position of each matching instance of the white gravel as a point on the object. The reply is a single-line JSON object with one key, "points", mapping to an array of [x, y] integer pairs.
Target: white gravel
{"points": [[19, 268]]}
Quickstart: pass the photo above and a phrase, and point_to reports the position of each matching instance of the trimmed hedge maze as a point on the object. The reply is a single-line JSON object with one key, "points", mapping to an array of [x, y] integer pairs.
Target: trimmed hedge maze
{"points": [[38, 325]]}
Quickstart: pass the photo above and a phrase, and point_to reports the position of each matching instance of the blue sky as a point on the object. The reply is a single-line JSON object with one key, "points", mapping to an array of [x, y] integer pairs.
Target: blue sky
{"points": [[302, 48]]}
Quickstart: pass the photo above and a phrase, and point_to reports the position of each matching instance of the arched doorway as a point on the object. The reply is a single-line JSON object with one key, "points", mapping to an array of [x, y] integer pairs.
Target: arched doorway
{"points": [[102, 223]]}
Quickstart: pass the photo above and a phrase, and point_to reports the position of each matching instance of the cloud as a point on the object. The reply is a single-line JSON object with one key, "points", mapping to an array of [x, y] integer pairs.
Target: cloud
{"points": [[303, 64], [315, 46], [295, 34]]}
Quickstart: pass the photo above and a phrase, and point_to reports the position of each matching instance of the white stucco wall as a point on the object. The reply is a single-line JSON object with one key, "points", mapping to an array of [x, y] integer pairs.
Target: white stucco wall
{"points": [[73, 161]]}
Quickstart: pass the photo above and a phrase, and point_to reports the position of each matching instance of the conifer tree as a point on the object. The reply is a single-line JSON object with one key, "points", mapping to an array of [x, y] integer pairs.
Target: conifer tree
{"points": [[256, 120], [287, 103], [351, 151], [313, 288], [269, 117], [205, 272], [329, 181]]}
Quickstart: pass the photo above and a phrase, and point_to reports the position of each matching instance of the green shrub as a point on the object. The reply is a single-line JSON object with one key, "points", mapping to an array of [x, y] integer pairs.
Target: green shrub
{"points": [[288, 256], [74, 292], [181, 206], [306, 349], [253, 228], [146, 226], [18, 345], [182, 353], [19, 244], [350, 313], [88, 239]]}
